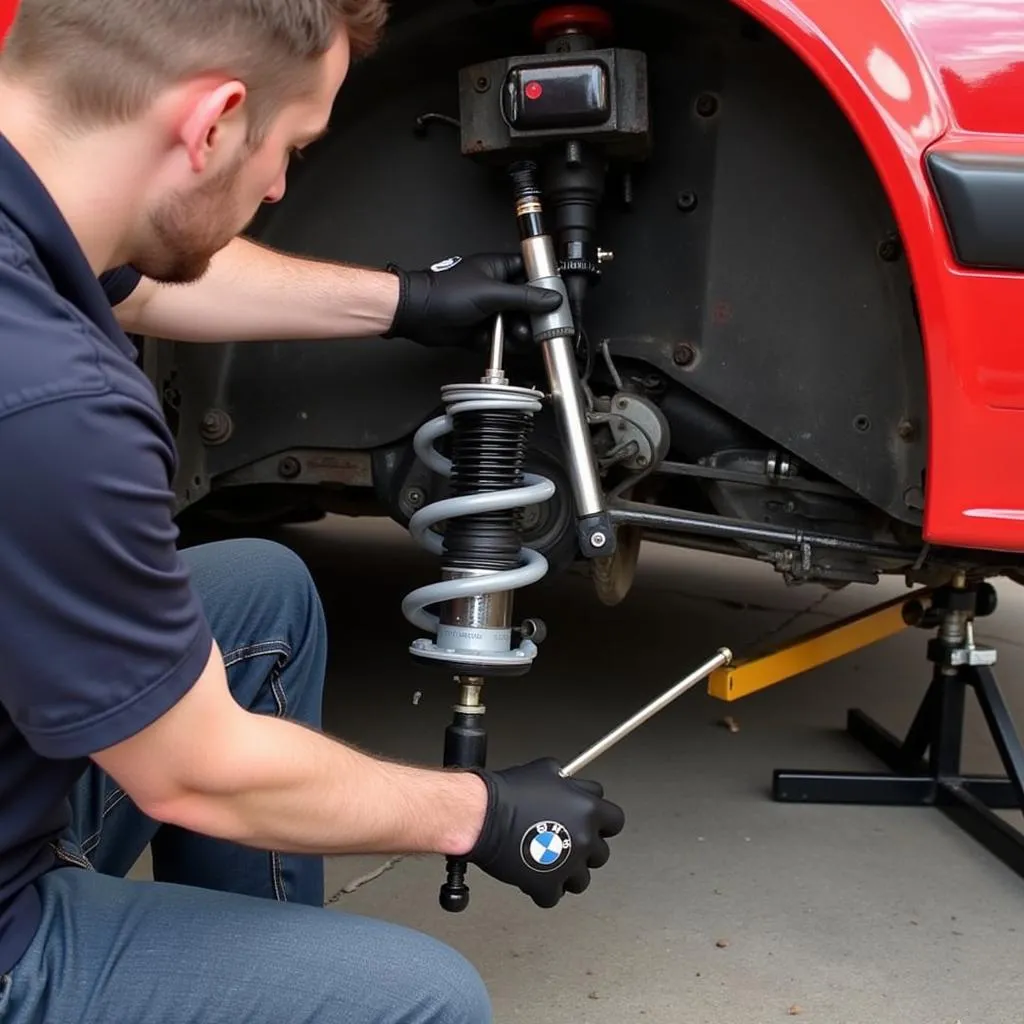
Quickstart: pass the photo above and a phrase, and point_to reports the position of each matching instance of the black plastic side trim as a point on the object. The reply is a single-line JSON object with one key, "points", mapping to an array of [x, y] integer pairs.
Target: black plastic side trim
{"points": [[981, 196]]}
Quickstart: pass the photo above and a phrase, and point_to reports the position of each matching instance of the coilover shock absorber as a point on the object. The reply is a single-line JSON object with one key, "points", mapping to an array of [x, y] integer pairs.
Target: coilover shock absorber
{"points": [[483, 559]]}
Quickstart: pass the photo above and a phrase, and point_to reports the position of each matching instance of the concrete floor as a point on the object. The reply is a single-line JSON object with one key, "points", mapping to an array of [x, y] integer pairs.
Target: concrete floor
{"points": [[718, 906]]}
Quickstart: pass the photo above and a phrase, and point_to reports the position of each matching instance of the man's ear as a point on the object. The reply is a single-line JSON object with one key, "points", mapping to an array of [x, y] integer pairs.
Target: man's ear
{"points": [[215, 111]]}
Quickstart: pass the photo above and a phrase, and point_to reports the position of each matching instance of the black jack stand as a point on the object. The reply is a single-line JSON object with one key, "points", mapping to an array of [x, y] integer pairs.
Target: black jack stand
{"points": [[937, 729]]}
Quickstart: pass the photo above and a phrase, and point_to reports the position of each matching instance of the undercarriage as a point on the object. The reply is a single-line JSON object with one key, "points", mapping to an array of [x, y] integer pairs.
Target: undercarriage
{"points": [[745, 339]]}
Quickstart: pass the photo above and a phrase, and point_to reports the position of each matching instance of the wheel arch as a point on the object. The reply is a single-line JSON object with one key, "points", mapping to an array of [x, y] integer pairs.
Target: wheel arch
{"points": [[882, 81], [842, 63]]}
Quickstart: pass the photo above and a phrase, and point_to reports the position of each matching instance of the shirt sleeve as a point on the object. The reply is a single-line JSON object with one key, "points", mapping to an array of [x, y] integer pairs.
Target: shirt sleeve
{"points": [[119, 283], [102, 632]]}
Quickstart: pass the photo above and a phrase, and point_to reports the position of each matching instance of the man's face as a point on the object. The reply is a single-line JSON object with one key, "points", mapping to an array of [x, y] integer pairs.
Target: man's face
{"points": [[187, 228]]}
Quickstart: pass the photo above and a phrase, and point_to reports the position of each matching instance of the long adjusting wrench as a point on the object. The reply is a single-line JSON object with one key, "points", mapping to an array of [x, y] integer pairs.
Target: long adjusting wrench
{"points": [[617, 735]]}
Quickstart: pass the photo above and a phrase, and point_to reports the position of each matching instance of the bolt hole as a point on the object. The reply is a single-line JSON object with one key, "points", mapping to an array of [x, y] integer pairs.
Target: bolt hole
{"points": [[862, 423], [890, 249], [707, 105], [687, 201]]}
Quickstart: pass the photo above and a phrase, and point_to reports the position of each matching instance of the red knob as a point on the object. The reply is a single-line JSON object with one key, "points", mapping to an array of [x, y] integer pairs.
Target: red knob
{"points": [[582, 18]]}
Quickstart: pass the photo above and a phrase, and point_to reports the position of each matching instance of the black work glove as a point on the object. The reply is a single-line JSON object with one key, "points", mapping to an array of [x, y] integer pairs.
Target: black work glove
{"points": [[542, 833], [454, 302]]}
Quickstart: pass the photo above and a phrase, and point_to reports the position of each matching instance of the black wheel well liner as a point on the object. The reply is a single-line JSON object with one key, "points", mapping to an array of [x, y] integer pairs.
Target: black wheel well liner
{"points": [[786, 276]]}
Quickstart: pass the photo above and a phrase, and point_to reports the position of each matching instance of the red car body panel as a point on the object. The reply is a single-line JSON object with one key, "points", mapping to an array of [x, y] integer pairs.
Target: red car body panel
{"points": [[7, 8], [913, 76]]}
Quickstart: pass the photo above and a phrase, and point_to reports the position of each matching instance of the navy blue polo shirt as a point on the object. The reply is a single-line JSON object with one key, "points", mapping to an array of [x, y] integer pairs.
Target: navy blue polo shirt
{"points": [[100, 631]]}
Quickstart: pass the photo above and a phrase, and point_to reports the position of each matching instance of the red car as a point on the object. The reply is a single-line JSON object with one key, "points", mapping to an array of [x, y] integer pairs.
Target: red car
{"points": [[795, 231]]}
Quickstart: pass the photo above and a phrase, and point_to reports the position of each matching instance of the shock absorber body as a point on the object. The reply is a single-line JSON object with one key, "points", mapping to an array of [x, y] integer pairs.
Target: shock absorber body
{"points": [[557, 333]]}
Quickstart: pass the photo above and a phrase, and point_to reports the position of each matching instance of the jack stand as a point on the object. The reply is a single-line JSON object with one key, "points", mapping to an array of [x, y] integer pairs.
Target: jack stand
{"points": [[937, 729]]}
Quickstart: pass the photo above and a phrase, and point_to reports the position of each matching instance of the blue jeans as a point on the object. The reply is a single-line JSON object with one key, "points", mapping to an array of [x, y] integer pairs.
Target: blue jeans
{"points": [[225, 934]]}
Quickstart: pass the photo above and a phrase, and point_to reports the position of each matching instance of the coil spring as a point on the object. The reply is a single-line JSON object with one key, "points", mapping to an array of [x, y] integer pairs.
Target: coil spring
{"points": [[459, 399]]}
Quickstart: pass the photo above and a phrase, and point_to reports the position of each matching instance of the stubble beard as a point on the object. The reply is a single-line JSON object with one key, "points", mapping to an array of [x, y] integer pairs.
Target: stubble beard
{"points": [[188, 229]]}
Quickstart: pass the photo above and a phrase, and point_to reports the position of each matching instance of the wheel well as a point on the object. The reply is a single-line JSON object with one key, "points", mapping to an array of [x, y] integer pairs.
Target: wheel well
{"points": [[757, 266]]}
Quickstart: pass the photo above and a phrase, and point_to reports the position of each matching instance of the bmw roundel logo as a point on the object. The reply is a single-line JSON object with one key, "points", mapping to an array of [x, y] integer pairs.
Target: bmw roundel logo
{"points": [[546, 846]]}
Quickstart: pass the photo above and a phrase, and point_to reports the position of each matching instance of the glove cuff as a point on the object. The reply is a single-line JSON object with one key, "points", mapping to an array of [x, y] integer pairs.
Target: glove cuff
{"points": [[397, 326], [489, 840]]}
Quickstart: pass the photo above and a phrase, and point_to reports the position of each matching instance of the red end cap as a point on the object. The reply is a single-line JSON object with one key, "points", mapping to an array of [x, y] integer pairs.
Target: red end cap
{"points": [[582, 18]]}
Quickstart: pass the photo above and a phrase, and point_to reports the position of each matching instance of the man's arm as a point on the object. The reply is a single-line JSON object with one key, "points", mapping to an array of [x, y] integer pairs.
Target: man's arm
{"points": [[211, 767], [255, 293]]}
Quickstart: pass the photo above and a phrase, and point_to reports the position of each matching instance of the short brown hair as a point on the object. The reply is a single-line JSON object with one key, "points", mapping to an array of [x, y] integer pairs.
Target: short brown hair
{"points": [[105, 60]]}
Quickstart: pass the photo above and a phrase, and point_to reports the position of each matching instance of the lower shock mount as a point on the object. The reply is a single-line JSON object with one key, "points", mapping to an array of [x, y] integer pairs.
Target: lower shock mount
{"points": [[483, 558]]}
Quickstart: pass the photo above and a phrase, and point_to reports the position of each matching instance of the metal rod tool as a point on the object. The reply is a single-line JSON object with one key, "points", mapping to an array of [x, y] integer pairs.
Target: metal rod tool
{"points": [[724, 657]]}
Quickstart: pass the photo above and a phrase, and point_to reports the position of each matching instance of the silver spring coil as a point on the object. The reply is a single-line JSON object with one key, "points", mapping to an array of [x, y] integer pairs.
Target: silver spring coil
{"points": [[536, 489]]}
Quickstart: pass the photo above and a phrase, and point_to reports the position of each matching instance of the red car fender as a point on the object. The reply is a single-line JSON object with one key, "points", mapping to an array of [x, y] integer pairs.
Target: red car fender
{"points": [[916, 77], [7, 8]]}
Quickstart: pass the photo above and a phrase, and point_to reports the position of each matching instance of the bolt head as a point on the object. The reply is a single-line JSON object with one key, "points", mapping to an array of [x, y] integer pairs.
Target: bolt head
{"points": [[598, 540], [215, 427], [684, 354], [707, 105], [889, 250]]}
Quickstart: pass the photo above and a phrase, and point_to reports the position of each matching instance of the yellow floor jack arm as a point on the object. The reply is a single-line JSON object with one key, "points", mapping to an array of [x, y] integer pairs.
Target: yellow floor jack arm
{"points": [[837, 639]]}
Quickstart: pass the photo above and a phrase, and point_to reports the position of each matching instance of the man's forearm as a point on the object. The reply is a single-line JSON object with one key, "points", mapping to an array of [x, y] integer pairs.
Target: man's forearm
{"points": [[209, 766], [254, 293], [305, 793]]}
